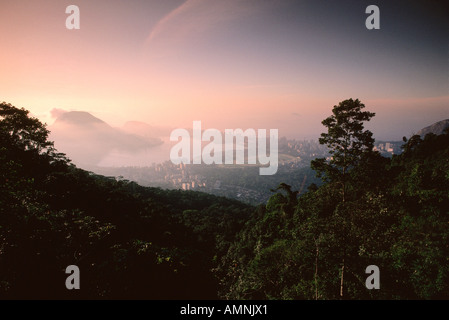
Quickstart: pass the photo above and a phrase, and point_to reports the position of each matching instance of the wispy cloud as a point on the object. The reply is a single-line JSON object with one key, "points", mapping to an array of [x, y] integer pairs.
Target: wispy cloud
{"points": [[195, 17]]}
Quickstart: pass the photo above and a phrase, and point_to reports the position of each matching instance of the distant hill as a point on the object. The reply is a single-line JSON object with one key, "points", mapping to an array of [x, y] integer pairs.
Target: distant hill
{"points": [[436, 128], [87, 139], [80, 118]]}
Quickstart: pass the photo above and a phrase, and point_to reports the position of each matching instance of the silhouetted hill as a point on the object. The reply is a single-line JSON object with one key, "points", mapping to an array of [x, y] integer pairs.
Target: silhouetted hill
{"points": [[436, 128]]}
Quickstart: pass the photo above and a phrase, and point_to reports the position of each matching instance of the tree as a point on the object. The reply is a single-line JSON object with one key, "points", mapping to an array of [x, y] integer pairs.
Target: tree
{"points": [[347, 141], [290, 200], [25, 137], [348, 145]]}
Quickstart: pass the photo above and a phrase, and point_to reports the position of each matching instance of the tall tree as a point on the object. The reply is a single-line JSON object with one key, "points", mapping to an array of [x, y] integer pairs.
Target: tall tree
{"points": [[347, 141], [348, 145]]}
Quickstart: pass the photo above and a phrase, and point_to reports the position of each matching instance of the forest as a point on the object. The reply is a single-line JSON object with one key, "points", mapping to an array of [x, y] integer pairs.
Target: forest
{"points": [[134, 242]]}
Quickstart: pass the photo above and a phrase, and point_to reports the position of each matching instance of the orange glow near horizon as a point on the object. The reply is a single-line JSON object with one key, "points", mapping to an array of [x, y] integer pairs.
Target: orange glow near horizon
{"points": [[227, 64]]}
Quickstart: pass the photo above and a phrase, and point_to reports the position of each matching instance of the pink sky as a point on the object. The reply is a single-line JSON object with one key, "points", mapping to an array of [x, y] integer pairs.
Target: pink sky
{"points": [[230, 64]]}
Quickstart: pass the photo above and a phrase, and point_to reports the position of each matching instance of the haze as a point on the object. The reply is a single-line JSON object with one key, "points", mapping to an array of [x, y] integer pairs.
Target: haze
{"points": [[230, 64]]}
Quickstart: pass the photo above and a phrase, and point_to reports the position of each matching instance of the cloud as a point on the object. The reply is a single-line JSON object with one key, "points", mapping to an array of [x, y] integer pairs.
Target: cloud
{"points": [[196, 17], [56, 112]]}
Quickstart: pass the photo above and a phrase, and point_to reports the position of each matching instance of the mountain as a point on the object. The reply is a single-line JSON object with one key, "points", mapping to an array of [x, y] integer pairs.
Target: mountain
{"points": [[135, 242], [79, 118], [87, 140], [436, 128]]}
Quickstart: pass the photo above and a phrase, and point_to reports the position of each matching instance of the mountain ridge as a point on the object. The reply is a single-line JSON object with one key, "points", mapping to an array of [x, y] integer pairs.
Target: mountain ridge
{"points": [[435, 128]]}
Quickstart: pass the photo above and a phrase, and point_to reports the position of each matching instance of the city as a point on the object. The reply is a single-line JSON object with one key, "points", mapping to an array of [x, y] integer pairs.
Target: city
{"points": [[241, 182]]}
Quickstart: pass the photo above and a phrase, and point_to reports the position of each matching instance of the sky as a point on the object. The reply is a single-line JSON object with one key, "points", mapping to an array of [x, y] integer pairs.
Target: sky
{"points": [[269, 64]]}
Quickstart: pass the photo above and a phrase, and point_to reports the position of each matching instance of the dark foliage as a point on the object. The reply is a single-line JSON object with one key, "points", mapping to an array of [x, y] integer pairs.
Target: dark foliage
{"points": [[147, 243]]}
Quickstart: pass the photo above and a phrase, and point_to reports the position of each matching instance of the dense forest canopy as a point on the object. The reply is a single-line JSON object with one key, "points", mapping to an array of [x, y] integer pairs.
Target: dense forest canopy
{"points": [[140, 242]]}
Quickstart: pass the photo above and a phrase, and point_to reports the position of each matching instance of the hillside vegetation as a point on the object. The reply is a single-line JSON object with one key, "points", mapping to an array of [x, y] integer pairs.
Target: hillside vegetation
{"points": [[147, 243]]}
